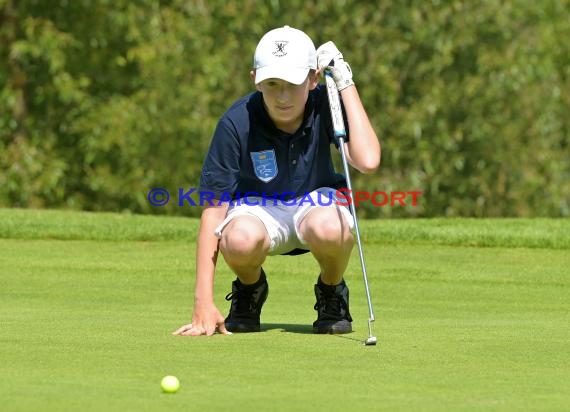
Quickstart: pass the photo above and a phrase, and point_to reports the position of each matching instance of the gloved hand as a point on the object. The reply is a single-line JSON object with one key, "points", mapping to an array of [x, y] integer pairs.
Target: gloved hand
{"points": [[328, 56]]}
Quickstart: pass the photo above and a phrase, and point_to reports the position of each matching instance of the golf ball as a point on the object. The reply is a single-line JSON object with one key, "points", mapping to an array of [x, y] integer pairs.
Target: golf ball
{"points": [[170, 384]]}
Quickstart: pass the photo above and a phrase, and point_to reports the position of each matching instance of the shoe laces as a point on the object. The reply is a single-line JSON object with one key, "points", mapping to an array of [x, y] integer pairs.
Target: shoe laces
{"points": [[245, 299], [330, 303]]}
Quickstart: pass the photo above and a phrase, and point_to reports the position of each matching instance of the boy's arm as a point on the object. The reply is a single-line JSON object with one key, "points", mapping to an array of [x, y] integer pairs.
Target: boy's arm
{"points": [[206, 317], [363, 147]]}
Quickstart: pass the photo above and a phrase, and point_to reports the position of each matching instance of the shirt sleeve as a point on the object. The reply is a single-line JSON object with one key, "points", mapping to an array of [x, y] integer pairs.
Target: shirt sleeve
{"points": [[221, 168]]}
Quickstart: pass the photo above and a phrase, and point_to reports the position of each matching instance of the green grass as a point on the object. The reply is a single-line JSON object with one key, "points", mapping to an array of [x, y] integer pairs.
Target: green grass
{"points": [[472, 315]]}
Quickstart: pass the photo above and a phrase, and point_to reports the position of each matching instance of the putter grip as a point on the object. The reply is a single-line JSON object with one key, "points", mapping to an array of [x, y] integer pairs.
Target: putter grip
{"points": [[334, 102]]}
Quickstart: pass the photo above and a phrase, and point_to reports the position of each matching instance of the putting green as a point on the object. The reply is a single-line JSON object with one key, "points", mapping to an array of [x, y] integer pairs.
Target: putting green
{"points": [[471, 315]]}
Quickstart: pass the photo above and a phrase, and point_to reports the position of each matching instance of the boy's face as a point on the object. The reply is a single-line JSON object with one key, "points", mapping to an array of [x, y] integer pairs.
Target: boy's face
{"points": [[285, 102]]}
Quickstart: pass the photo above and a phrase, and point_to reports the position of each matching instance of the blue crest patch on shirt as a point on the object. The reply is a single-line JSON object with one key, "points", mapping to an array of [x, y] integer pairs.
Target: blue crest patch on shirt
{"points": [[264, 165]]}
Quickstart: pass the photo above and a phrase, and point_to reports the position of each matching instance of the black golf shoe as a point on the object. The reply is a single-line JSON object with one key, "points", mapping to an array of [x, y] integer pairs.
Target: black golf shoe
{"points": [[332, 308], [247, 301]]}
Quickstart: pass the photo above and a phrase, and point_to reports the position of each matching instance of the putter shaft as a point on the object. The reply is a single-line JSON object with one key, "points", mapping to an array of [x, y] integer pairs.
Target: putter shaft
{"points": [[340, 132]]}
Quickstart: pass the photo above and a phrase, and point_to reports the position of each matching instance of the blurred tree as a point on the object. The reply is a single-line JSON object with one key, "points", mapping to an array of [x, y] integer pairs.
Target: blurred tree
{"points": [[102, 100]]}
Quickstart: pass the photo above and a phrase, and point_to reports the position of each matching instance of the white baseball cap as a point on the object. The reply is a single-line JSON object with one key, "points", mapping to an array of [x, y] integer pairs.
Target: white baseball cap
{"points": [[284, 53]]}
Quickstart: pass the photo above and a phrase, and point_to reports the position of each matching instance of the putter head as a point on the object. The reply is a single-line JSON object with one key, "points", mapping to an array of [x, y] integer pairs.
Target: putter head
{"points": [[371, 341]]}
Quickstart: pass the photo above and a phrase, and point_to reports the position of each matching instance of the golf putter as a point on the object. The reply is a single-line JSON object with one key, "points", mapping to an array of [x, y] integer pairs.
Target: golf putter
{"points": [[340, 132]]}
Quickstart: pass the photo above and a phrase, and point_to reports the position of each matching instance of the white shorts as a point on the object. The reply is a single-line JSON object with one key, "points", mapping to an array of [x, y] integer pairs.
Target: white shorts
{"points": [[282, 218]]}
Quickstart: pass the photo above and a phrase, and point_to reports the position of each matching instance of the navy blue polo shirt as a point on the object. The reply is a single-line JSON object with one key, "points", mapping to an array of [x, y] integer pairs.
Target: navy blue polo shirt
{"points": [[249, 154]]}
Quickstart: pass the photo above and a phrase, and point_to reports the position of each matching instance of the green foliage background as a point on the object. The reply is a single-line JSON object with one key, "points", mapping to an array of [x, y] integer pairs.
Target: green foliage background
{"points": [[100, 101]]}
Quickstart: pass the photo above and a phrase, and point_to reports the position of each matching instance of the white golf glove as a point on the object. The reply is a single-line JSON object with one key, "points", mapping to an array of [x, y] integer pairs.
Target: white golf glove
{"points": [[328, 56]]}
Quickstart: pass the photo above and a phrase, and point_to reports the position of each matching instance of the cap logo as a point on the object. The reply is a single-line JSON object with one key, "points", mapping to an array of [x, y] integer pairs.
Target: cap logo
{"points": [[280, 48]]}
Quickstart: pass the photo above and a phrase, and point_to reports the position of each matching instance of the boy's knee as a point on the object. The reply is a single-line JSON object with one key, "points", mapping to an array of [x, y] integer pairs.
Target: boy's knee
{"points": [[243, 237], [326, 225]]}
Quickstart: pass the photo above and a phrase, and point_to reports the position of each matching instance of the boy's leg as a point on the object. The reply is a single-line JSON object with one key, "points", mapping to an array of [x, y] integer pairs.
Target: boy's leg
{"points": [[244, 244], [328, 236]]}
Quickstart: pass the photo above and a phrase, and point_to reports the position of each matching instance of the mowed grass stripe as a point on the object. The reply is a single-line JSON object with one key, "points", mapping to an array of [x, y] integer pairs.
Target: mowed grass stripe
{"points": [[73, 225]]}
